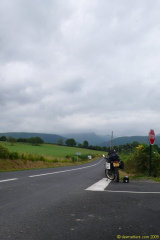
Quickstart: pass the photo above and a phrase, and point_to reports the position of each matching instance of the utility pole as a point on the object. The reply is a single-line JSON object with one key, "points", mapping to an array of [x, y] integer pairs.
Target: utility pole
{"points": [[111, 143], [111, 140]]}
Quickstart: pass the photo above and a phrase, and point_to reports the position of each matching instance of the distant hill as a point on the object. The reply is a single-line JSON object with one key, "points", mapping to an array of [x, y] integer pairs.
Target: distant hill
{"points": [[124, 140], [47, 138], [92, 138]]}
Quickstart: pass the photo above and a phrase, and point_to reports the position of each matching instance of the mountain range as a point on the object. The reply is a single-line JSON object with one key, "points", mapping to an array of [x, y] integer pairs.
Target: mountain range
{"points": [[92, 138]]}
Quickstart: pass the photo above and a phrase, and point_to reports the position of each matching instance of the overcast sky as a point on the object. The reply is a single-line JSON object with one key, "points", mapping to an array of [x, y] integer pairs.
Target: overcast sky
{"points": [[73, 66]]}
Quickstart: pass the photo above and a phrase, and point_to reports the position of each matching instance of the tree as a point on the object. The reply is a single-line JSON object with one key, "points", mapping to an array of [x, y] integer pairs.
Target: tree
{"points": [[11, 140], [80, 145], [3, 138], [134, 144], [22, 140], [36, 141], [85, 144], [60, 141], [70, 142]]}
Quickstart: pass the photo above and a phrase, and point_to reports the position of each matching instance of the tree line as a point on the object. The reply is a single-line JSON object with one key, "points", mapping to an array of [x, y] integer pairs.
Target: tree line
{"points": [[121, 149], [126, 148], [33, 140]]}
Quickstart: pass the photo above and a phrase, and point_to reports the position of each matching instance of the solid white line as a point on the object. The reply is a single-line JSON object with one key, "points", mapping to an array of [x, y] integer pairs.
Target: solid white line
{"points": [[7, 180], [74, 169], [132, 192], [100, 185]]}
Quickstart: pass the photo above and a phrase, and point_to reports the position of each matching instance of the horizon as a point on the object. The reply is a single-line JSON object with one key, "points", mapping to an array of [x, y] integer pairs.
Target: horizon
{"points": [[109, 136]]}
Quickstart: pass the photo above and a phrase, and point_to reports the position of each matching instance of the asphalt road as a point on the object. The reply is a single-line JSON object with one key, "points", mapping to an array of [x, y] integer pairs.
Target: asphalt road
{"points": [[54, 204]]}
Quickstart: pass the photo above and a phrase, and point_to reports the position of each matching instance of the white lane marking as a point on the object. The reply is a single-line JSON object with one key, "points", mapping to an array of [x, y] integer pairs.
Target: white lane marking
{"points": [[7, 180], [74, 169], [100, 185], [132, 192]]}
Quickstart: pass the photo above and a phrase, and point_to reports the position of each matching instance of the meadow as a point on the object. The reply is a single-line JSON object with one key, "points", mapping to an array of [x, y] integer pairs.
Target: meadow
{"points": [[22, 156], [50, 150]]}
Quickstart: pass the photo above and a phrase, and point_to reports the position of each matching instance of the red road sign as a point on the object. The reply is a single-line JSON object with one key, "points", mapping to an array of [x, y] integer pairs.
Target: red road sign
{"points": [[151, 136]]}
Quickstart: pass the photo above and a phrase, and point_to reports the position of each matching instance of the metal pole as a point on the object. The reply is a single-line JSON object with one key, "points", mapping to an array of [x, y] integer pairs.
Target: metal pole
{"points": [[112, 140], [150, 162]]}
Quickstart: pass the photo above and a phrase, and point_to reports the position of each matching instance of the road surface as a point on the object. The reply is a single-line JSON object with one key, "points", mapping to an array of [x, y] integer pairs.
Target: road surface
{"points": [[76, 203]]}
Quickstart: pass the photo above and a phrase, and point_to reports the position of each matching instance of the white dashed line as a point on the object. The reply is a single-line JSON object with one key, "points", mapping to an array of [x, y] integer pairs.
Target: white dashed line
{"points": [[70, 170], [7, 180]]}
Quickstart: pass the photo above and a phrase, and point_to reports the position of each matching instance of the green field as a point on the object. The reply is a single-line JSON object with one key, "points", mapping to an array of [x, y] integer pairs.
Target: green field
{"points": [[49, 150], [23, 156]]}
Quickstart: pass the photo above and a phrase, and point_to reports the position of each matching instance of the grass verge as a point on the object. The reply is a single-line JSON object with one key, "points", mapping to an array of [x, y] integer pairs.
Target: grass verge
{"points": [[18, 165], [137, 176]]}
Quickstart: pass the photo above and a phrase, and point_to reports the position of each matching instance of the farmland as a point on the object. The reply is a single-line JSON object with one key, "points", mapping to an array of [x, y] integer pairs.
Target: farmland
{"points": [[25, 156], [49, 150]]}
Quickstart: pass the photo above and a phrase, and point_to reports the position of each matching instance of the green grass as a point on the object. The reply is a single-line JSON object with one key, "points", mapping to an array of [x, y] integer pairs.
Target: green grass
{"points": [[49, 150], [43, 156], [137, 176], [143, 177]]}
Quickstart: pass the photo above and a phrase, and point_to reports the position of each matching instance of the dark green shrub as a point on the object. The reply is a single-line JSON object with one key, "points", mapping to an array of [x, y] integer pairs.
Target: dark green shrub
{"points": [[4, 152], [155, 164], [31, 157], [83, 157], [68, 156], [55, 160], [14, 155], [74, 159], [41, 158], [139, 161], [23, 156]]}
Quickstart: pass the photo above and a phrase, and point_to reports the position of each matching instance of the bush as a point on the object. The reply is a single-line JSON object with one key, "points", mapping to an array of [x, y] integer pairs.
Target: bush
{"points": [[4, 152], [155, 164], [68, 156], [23, 156], [35, 157], [83, 157], [139, 161], [14, 155], [74, 159], [55, 160]]}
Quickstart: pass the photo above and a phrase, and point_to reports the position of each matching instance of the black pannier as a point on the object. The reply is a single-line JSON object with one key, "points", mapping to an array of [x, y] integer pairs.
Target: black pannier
{"points": [[121, 165]]}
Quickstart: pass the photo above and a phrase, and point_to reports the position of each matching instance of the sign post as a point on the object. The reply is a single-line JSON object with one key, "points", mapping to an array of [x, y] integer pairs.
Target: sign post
{"points": [[151, 140], [78, 154]]}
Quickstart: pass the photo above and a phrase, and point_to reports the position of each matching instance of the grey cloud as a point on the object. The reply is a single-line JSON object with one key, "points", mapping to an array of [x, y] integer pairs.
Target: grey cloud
{"points": [[29, 27], [79, 65], [72, 86]]}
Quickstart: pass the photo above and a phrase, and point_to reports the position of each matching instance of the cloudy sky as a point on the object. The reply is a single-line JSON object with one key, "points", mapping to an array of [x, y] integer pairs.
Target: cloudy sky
{"points": [[73, 66]]}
